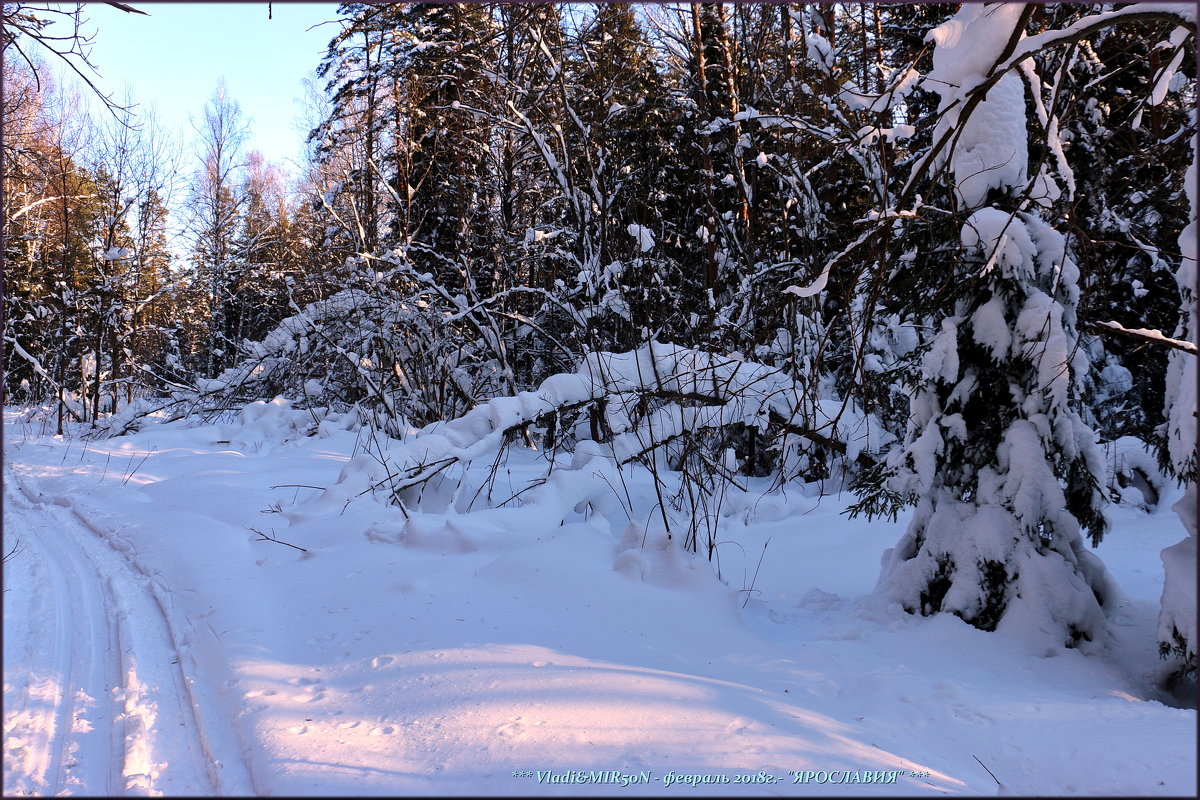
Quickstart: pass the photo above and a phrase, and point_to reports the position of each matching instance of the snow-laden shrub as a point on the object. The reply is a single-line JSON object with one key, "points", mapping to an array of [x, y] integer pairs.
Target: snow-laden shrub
{"points": [[393, 343], [388, 352], [667, 408]]}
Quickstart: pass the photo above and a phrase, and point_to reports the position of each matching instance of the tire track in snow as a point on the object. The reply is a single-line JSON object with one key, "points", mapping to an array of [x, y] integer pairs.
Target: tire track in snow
{"points": [[126, 718], [65, 700]]}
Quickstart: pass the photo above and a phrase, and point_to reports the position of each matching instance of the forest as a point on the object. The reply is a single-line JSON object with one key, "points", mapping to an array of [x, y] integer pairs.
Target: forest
{"points": [[936, 261]]}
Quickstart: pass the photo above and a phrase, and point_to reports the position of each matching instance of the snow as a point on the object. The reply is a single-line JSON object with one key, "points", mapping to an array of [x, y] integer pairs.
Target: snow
{"points": [[1181, 382], [455, 650], [990, 329], [1133, 472], [1002, 238], [1178, 37], [968, 45], [1178, 615], [941, 361], [869, 134], [990, 150], [1149, 333], [1045, 344], [1183, 12], [644, 236], [816, 287]]}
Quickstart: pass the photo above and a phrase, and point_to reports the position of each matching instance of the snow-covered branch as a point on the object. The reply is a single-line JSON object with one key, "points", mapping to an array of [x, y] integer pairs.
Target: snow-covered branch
{"points": [[1144, 335]]}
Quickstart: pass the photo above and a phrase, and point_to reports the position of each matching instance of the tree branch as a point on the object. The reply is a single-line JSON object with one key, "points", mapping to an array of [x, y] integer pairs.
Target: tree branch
{"points": [[128, 9], [1143, 335]]}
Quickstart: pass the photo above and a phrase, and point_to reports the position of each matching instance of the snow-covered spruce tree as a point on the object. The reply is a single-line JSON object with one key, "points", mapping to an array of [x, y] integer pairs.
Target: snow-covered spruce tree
{"points": [[1003, 470], [1177, 616]]}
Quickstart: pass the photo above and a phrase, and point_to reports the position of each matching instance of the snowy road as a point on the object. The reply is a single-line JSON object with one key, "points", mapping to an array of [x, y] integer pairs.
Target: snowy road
{"points": [[97, 694]]}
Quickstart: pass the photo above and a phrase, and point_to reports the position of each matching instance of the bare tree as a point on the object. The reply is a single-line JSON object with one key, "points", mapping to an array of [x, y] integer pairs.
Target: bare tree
{"points": [[215, 204], [28, 29]]}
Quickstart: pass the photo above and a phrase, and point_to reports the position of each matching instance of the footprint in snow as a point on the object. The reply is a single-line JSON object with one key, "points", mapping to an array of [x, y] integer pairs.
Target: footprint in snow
{"points": [[971, 714], [513, 729], [381, 661], [737, 726], [138, 783], [315, 690], [304, 681], [316, 697]]}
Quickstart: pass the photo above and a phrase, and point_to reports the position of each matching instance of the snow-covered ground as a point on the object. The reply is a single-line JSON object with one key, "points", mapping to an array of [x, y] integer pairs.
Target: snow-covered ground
{"points": [[155, 643]]}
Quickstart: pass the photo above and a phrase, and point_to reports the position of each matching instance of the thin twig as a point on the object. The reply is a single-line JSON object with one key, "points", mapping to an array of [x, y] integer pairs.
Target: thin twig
{"points": [[139, 466], [756, 569], [989, 772], [13, 551], [262, 537]]}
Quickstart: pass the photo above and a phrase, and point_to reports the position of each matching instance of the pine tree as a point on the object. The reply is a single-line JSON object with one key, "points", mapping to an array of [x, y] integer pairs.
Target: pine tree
{"points": [[442, 51], [151, 282], [617, 122]]}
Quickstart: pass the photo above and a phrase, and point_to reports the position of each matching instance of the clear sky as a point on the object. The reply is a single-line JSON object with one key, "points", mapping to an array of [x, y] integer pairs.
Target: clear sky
{"points": [[172, 59]]}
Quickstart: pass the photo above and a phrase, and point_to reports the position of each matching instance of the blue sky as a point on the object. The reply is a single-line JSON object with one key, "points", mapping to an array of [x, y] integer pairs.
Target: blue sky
{"points": [[173, 58]]}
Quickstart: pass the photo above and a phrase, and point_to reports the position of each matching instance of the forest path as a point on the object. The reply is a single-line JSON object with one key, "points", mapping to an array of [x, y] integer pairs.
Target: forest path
{"points": [[97, 694]]}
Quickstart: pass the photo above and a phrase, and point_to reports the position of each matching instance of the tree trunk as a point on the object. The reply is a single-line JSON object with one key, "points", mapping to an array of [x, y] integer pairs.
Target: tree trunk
{"points": [[710, 210]]}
